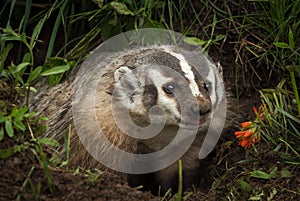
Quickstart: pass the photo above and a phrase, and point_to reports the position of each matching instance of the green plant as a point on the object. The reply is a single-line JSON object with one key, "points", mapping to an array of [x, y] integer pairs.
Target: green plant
{"points": [[277, 47], [282, 121], [36, 146], [26, 73], [13, 121]]}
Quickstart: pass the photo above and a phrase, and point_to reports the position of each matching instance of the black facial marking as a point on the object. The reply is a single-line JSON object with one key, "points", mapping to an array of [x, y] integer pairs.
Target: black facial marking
{"points": [[150, 96]]}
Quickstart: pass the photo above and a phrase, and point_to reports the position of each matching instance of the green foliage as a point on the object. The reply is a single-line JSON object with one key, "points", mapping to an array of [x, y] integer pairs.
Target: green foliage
{"points": [[281, 122], [279, 42], [14, 121]]}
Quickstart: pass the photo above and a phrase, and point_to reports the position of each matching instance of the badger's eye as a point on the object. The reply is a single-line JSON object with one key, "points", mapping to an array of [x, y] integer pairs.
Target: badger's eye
{"points": [[169, 88], [207, 86]]}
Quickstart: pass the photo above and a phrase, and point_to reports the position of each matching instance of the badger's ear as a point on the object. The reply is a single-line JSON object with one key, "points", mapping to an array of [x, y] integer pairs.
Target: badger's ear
{"points": [[126, 78], [220, 69], [121, 72]]}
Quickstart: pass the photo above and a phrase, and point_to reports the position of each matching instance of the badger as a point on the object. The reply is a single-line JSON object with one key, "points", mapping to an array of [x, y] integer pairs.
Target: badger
{"points": [[163, 88]]}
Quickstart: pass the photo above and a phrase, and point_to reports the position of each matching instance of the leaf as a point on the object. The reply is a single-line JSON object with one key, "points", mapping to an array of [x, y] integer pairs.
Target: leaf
{"points": [[194, 41], [53, 37], [9, 30], [285, 173], [20, 125], [257, 196], [273, 172], [8, 127], [54, 79], [48, 141], [6, 153], [245, 185], [291, 40], [56, 70], [1, 133], [4, 54], [19, 114], [281, 45], [220, 37], [34, 74], [121, 8], [21, 66], [260, 174], [3, 118], [36, 32], [26, 57]]}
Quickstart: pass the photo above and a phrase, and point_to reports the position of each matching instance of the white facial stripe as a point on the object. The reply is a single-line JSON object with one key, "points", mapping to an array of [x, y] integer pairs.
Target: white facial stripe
{"points": [[211, 77], [188, 73], [158, 79]]}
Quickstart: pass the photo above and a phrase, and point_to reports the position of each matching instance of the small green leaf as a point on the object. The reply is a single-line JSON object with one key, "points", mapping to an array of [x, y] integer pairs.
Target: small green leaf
{"points": [[26, 57], [56, 70], [6, 153], [260, 174], [291, 39], [19, 125], [34, 74], [285, 173], [121, 8], [3, 119], [10, 38], [273, 172], [4, 54], [36, 32], [220, 37], [1, 133], [194, 41], [281, 45], [19, 114], [245, 185], [29, 114], [21, 66], [257, 196], [48, 141], [8, 127]]}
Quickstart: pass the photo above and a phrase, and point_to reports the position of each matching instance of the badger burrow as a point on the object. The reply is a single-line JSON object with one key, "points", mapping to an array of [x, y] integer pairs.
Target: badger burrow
{"points": [[140, 90]]}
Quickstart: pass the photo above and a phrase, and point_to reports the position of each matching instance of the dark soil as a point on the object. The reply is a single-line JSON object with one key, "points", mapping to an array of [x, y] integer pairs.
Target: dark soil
{"points": [[22, 176]]}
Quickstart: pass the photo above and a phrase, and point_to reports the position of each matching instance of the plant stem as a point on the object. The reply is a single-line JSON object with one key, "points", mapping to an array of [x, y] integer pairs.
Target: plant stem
{"points": [[179, 193]]}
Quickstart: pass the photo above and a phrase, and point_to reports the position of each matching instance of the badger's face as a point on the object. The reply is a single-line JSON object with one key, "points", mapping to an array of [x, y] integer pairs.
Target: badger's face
{"points": [[185, 97]]}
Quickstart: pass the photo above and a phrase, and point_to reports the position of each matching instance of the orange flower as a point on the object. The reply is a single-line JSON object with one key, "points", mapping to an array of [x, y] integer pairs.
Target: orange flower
{"points": [[246, 124], [250, 131], [245, 143], [260, 112], [247, 137]]}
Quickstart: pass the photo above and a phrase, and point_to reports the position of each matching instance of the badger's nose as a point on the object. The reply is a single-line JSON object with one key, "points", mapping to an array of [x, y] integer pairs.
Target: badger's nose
{"points": [[201, 106]]}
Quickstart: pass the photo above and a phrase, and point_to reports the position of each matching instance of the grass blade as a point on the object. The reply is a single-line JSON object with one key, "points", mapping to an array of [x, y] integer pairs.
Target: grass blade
{"points": [[55, 30]]}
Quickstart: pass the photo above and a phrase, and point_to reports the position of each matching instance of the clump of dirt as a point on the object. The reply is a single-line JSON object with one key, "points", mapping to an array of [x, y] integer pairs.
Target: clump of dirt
{"points": [[9, 97], [22, 176]]}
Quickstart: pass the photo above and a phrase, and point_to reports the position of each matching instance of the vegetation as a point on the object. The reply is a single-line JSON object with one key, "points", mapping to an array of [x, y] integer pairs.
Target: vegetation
{"points": [[46, 40]]}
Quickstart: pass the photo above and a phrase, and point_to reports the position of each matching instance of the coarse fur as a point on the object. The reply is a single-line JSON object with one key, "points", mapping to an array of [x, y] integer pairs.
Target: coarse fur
{"points": [[136, 81]]}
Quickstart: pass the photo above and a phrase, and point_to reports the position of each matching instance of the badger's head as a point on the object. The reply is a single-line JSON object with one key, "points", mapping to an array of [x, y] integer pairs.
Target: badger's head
{"points": [[186, 95]]}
